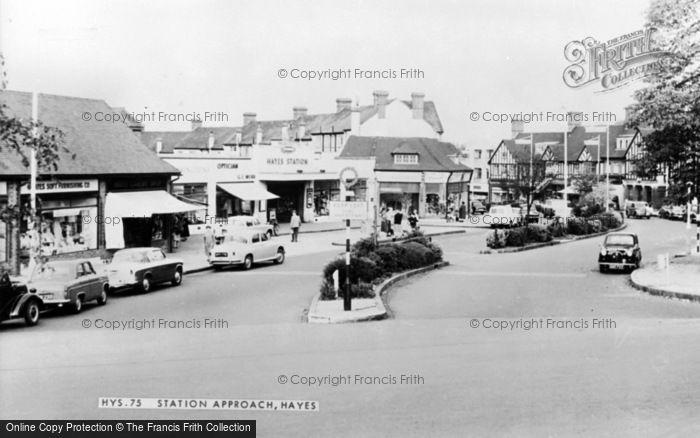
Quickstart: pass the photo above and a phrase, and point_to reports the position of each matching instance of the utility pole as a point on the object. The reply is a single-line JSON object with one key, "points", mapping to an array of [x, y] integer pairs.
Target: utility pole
{"points": [[607, 168]]}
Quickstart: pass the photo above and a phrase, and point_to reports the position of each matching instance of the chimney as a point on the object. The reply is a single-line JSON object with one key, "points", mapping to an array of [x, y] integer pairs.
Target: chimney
{"points": [[196, 123], [517, 126], [380, 100], [301, 129], [285, 133], [159, 145], [239, 137], [417, 100], [343, 103], [249, 118], [210, 143], [299, 111], [355, 120], [573, 119], [258, 135]]}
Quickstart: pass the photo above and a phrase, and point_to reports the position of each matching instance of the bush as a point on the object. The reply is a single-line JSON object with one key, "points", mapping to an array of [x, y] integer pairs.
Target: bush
{"points": [[517, 237], [360, 290], [327, 291], [556, 229], [497, 239], [538, 233], [389, 256], [364, 247], [579, 227], [609, 221], [436, 252], [415, 256], [361, 269]]}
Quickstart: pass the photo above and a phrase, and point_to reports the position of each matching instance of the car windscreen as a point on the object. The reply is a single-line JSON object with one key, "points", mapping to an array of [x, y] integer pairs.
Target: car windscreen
{"points": [[130, 257], [619, 239], [61, 272]]}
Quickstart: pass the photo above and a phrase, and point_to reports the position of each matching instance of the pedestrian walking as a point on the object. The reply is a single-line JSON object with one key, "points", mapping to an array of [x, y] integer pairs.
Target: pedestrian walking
{"points": [[295, 223], [389, 220], [462, 212], [398, 223], [413, 220], [208, 240], [185, 233]]}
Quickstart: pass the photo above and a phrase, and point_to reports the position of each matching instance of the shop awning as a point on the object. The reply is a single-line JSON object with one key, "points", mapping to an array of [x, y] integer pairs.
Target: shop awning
{"points": [[145, 204], [247, 191]]}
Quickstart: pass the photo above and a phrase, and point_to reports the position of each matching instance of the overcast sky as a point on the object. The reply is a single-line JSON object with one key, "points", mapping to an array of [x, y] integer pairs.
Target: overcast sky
{"points": [[216, 55]]}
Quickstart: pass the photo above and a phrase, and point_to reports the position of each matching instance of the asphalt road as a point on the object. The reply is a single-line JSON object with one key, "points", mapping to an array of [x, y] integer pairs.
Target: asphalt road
{"points": [[636, 378]]}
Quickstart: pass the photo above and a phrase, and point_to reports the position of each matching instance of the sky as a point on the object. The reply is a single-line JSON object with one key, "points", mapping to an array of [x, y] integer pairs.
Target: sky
{"points": [[184, 57]]}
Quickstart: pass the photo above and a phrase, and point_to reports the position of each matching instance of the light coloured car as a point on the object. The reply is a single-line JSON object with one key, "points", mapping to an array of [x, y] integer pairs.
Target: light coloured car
{"points": [[141, 268], [236, 223], [638, 209], [503, 216], [245, 249], [68, 283]]}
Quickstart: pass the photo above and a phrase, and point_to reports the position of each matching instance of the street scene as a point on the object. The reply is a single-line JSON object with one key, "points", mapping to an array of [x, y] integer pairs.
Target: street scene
{"points": [[393, 244]]}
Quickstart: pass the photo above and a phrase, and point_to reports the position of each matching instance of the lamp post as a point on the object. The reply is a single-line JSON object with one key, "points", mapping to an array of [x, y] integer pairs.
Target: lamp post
{"points": [[688, 206]]}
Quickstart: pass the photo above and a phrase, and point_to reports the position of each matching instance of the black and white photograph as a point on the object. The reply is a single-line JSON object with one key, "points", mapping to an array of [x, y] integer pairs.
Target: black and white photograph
{"points": [[347, 218]]}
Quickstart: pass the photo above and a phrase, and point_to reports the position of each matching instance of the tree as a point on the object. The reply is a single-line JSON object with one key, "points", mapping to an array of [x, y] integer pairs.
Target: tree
{"points": [[529, 181], [670, 103]]}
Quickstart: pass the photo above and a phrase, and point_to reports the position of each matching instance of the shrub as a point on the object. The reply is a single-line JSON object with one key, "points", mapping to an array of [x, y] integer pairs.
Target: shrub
{"points": [[361, 269], [608, 220], [360, 290], [389, 256], [538, 233], [436, 252], [364, 247], [327, 291], [415, 256], [579, 227], [497, 239], [517, 237], [556, 229]]}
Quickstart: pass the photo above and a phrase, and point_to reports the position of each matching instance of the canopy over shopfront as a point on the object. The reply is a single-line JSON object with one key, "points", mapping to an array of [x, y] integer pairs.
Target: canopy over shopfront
{"points": [[138, 205], [247, 191]]}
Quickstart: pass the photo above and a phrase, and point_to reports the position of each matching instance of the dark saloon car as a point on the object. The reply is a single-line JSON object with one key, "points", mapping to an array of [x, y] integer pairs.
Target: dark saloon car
{"points": [[17, 302], [141, 268], [69, 283], [620, 251]]}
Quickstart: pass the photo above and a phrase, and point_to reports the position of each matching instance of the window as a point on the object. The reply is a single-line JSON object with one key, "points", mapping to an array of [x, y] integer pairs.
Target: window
{"points": [[263, 237], [157, 256], [489, 152], [256, 238], [477, 172], [622, 143], [405, 158], [477, 154]]}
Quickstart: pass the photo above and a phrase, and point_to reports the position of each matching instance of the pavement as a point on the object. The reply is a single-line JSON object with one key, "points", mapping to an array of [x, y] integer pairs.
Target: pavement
{"points": [[680, 280], [466, 330]]}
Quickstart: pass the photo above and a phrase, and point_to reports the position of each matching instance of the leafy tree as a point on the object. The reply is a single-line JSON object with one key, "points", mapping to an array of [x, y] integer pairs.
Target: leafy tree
{"points": [[670, 103]]}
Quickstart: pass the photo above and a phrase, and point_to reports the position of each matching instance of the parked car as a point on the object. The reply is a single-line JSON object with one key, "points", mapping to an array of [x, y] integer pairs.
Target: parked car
{"points": [[638, 209], [477, 207], [677, 212], [504, 216], [245, 249], [17, 302], [142, 268], [620, 251], [70, 283], [665, 211], [235, 223], [556, 208]]}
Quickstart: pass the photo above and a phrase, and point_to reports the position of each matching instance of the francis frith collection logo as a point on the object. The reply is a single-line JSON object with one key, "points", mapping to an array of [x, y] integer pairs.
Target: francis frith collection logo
{"points": [[612, 63]]}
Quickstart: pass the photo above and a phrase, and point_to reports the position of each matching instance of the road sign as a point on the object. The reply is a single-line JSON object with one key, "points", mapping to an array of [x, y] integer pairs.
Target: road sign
{"points": [[355, 210], [349, 177]]}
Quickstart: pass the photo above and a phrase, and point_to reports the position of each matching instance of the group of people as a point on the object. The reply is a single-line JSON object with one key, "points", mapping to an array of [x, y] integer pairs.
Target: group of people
{"points": [[392, 221]]}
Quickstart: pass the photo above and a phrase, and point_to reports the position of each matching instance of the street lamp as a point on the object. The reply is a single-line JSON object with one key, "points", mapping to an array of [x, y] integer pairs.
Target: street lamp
{"points": [[688, 205]]}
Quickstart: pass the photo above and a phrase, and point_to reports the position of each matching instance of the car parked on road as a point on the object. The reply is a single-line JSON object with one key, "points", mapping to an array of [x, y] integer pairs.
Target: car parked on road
{"points": [[637, 209], [17, 302], [236, 223], [504, 216], [246, 249], [141, 268], [620, 251], [68, 283], [477, 207], [677, 212]]}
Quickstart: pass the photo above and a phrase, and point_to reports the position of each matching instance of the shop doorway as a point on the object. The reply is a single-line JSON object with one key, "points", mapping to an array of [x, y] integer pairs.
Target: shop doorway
{"points": [[291, 197]]}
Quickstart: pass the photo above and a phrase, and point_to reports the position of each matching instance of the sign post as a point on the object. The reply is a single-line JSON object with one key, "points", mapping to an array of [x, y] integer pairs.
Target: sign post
{"points": [[349, 177]]}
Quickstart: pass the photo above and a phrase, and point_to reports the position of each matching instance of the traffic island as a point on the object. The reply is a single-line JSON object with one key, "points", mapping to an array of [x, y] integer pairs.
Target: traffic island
{"points": [[363, 309], [681, 280]]}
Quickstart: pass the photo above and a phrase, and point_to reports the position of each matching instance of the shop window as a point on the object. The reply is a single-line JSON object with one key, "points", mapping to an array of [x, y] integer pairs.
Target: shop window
{"points": [[324, 192], [62, 230], [3, 237]]}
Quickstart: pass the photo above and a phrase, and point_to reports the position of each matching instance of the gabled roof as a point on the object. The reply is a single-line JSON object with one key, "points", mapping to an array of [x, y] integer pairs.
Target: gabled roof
{"points": [[434, 154], [520, 152], [93, 147]]}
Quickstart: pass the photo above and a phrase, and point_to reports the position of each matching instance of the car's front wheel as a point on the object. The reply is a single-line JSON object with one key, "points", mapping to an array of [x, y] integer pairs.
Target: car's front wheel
{"points": [[248, 262], [177, 278], [31, 312], [146, 284], [280, 257], [78, 305], [102, 299]]}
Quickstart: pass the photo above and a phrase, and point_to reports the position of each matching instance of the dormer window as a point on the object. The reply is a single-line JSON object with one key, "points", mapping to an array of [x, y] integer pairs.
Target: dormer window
{"points": [[405, 158], [622, 143]]}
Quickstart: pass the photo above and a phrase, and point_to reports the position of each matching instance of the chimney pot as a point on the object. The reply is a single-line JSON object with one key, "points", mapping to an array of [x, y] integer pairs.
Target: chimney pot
{"points": [[381, 98], [248, 118], [574, 119], [210, 143], [355, 120], [197, 123], [299, 111], [258, 135], [517, 126], [343, 103], [159, 145], [417, 103]]}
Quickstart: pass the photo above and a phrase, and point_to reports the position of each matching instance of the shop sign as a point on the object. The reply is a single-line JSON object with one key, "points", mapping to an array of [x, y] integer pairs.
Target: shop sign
{"points": [[3, 188], [82, 185], [354, 210], [348, 176]]}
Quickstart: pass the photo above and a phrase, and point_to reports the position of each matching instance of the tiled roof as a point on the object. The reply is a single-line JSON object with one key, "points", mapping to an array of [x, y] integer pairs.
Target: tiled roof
{"points": [[93, 148], [434, 155], [168, 139]]}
